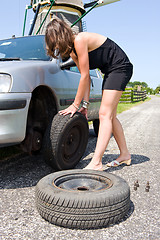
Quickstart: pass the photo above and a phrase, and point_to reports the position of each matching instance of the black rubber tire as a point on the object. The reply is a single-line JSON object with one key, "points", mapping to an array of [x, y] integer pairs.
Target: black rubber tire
{"points": [[65, 141], [77, 199], [96, 126]]}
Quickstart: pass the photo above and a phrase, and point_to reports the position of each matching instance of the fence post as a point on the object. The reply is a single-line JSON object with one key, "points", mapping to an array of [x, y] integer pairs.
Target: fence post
{"points": [[132, 95]]}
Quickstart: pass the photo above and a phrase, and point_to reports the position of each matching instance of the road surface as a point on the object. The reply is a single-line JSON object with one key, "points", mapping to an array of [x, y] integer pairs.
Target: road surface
{"points": [[20, 220]]}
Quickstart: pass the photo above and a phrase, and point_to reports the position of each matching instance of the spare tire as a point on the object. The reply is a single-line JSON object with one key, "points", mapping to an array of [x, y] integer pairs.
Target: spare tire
{"points": [[65, 141], [82, 199]]}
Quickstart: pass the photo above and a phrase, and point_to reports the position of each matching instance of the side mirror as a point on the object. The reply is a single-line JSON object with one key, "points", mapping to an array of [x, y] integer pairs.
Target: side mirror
{"points": [[69, 63]]}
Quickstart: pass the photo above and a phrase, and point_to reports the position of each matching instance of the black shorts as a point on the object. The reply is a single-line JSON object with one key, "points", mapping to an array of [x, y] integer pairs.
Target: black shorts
{"points": [[117, 79]]}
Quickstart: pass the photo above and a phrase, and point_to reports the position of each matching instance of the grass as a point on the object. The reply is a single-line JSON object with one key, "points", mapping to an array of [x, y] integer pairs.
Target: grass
{"points": [[12, 151], [126, 106]]}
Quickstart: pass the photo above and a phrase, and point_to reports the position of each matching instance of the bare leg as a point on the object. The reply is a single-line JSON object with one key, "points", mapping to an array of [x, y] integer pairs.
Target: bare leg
{"points": [[120, 139], [110, 99]]}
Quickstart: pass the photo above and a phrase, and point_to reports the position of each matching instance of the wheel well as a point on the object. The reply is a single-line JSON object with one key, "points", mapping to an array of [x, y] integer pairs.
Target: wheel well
{"points": [[42, 108], [42, 99], [48, 99]]}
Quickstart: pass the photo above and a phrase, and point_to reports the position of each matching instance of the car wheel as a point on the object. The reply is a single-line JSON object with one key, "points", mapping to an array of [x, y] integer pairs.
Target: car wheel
{"points": [[96, 126], [36, 141], [82, 198], [65, 141]]}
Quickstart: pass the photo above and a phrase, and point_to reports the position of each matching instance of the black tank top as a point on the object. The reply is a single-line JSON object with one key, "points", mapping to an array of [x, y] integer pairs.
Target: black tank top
{"points": [[108, 57]]}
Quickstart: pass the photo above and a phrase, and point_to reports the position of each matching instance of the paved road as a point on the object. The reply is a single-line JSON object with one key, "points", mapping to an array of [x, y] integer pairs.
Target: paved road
{"points": [[19, 218]]}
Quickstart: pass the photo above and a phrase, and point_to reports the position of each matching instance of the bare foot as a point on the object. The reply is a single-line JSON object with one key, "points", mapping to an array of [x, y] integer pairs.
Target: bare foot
{"points": [[123, 157], [93, 166]]}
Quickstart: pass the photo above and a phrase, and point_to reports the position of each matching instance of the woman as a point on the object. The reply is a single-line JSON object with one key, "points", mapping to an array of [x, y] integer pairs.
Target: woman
{"points": [[90, 51]]}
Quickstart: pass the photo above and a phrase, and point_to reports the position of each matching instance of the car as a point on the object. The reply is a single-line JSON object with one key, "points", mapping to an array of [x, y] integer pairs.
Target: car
{"points": [[33, 88]]}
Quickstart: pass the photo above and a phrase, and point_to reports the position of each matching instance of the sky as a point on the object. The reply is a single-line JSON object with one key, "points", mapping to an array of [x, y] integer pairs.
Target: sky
{"points": [[133, 24]]}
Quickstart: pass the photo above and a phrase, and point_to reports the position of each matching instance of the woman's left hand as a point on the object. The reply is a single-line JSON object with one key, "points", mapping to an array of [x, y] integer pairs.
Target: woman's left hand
{"points": [[70, 110]]}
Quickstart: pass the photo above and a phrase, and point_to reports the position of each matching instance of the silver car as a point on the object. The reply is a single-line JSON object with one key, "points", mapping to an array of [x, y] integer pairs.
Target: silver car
{"points": [[33, 88]]}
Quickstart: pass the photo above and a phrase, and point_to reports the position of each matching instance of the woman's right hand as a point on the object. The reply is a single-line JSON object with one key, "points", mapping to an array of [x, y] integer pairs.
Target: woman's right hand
{"points": [[83, 111], [70, 110]]}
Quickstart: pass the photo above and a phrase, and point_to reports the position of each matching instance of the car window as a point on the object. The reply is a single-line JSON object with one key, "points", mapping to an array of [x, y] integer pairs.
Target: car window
{"points": [[92, 72], [25, 48]]}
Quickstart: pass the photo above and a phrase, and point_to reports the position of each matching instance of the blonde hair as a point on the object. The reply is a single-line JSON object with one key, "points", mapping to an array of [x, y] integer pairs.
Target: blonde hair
{"points": [[59, 39]]}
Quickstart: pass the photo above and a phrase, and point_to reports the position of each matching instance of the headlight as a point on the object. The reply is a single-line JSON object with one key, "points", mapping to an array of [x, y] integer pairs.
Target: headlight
{"points": [[5, 82]]}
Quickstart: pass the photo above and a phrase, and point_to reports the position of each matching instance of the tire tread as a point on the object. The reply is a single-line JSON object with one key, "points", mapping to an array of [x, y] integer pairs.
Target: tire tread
{"points": [[83, 212]]}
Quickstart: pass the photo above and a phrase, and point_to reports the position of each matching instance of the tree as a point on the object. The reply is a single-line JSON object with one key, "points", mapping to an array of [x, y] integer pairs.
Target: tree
{"points": [[157, 90], [144, 84], [137, 83], [130, 84], [150, 90]]}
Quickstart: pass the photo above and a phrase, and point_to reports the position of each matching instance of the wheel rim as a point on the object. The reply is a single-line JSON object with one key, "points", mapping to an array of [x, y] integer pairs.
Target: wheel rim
{"points": [[72, 143], [83, 182]]}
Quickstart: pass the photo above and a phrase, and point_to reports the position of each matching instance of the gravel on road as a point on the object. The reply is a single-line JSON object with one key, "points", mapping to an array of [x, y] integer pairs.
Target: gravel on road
{"points": [[19, 218]]}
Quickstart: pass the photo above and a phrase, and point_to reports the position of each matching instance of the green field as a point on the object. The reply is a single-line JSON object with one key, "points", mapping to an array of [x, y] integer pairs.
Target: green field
{"points": [[125, 106]]}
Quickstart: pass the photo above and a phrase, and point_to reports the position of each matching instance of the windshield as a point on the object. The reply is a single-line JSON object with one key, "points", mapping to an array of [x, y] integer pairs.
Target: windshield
{"points": [[25, 48]]}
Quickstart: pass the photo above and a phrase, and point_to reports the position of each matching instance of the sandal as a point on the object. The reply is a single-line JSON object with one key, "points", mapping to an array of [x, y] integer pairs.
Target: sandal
{"points": [[115, 163]]}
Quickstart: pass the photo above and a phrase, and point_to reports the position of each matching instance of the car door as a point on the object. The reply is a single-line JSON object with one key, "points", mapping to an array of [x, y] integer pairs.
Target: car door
{"points": [[72, 76]]}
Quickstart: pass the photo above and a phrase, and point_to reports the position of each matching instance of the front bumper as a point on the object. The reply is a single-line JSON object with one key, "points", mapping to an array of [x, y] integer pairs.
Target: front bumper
{"points": [[13, 117]]}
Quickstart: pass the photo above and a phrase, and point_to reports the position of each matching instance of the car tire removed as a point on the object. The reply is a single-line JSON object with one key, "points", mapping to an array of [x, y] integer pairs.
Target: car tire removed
{"points": [[65, 141], [82, 199]]}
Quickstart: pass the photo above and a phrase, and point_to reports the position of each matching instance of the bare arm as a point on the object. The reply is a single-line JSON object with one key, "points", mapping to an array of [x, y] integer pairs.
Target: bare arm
{"points": [[82, 63]]}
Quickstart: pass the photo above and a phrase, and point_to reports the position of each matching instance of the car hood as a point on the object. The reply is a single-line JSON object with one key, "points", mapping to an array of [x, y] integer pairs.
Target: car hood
{"points": [[11, 67], [27, 75]]}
